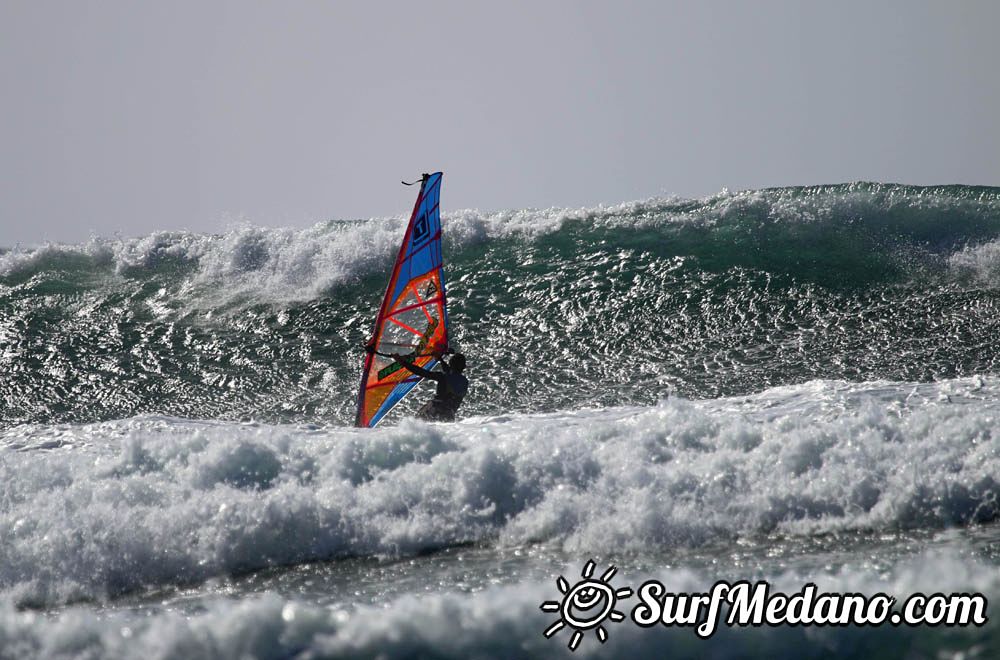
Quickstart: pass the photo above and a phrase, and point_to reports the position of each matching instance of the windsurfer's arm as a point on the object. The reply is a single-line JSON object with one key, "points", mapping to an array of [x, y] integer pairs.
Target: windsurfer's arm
{"points": [[420, 371]]}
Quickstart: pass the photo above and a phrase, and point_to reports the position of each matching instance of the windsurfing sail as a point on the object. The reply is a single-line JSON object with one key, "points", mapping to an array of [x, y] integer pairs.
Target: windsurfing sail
{"points": [[413, 319]]}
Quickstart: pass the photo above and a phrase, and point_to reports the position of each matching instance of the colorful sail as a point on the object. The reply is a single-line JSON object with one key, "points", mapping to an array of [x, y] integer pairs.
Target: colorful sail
{"points": [[413, 319]]}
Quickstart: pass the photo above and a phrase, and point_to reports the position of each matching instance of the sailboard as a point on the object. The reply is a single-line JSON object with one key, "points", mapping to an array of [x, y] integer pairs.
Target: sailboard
{"points": [[413, 319]]}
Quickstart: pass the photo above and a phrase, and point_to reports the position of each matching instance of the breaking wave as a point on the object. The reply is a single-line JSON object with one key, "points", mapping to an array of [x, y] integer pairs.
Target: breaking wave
{"points": [[608, 306]]}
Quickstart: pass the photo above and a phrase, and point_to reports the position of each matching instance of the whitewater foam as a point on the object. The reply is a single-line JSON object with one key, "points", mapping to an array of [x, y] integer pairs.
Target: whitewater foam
{"points": [[151, 501], [499, 621], [980, 262]]}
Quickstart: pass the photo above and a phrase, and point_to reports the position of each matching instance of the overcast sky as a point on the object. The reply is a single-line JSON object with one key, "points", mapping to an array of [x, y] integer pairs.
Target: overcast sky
{"points": [[128, 117]]}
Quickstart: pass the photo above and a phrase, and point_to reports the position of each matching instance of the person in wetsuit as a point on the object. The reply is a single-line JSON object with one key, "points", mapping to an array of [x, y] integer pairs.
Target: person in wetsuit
{"points": [[451, 387]]}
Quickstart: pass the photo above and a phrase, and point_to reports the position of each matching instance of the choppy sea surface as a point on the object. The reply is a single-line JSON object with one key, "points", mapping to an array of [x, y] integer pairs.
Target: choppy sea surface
{"points": [[795, 385]]}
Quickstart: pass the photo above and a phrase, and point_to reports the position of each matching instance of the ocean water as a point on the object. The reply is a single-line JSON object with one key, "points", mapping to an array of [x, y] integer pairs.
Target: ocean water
{"points": [[796, 385]]}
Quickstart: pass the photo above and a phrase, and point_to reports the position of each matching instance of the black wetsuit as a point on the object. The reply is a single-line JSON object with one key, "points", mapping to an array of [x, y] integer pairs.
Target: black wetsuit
{"points": [[451, 389]]}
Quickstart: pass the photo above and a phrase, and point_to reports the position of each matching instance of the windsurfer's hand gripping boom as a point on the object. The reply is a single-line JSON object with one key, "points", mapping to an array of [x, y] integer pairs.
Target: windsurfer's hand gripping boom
{"points": [[412, 368]]}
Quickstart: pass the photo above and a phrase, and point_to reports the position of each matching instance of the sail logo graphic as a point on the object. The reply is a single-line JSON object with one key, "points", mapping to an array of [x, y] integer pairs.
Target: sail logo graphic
{"points": [[420, 228], [586, 605]]}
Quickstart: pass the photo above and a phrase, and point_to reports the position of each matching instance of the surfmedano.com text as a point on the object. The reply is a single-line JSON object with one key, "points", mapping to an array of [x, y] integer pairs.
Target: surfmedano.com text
{"points": [[756, 605]]}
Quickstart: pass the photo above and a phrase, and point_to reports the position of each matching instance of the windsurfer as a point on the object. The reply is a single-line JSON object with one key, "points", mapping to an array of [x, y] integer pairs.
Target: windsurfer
{"points": [[451, 387]]}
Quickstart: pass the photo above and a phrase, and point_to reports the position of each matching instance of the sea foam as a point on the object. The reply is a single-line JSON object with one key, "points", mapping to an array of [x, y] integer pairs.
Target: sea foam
{"points": [[94, 511], [502, 621]]}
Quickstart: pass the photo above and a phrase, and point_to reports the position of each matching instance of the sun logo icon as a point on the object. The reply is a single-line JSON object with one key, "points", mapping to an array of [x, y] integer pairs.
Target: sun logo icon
{"points": [[586, 605]]}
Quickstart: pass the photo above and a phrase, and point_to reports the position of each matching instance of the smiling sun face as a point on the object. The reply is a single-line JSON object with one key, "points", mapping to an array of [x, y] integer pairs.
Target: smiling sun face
{"points": [[586, 605]]}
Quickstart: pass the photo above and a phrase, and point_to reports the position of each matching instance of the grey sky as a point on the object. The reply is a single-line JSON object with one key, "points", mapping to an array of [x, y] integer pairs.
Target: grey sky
{"points": [[130, 117]]}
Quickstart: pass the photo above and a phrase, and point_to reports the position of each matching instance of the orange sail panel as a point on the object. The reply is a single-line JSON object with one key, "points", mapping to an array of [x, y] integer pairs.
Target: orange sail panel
{"points": [[413, 319]]}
